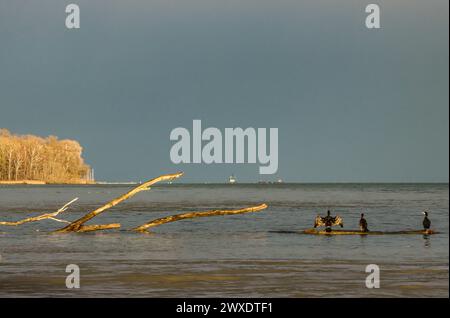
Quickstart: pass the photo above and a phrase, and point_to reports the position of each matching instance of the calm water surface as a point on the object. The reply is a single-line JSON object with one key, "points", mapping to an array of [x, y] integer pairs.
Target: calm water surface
{"points": [[225, 256]]}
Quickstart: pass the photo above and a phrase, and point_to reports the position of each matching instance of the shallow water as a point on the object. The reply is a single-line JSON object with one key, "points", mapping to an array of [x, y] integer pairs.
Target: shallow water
{"points": [[238, 256]]}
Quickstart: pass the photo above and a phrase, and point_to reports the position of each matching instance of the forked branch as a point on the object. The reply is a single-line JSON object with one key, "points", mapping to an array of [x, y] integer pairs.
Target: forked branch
{"points": [[50, 216], [77, 226]]}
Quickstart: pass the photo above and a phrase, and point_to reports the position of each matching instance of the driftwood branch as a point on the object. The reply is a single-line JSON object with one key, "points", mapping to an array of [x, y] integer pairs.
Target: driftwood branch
{"points": [[49, 216], [77, 226], [80, 227], [173, 218]]}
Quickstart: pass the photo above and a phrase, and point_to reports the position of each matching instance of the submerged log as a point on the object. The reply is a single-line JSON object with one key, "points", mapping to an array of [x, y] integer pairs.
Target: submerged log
{"points": [[357, 232], [92, 228], [76, 226], [190, 215], [49, 216]]}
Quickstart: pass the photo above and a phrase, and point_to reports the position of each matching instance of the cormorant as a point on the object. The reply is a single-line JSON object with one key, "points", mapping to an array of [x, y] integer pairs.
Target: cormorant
{"points": [[363, 224], [426, 221], [328, 221]]}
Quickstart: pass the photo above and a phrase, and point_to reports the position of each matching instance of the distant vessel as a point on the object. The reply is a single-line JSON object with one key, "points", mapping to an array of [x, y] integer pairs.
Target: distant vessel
{"points": [[270, 182], [231, 179]]}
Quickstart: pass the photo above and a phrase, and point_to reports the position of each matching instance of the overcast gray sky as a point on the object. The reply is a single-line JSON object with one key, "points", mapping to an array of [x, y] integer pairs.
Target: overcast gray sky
{"points": [[351, 104]]}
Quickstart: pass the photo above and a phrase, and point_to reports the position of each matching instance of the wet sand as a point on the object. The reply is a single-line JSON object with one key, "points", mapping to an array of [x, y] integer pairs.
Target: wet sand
{"points": [[234, 278]]}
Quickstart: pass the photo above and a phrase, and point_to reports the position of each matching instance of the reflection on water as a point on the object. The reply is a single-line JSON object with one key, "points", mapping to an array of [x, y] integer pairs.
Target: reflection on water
{"points": [[243, 255], [427, 240]]}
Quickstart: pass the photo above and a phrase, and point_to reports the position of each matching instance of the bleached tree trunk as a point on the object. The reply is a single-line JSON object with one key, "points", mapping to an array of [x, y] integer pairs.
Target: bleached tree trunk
{"points": [[190, 215], [77, 225]]}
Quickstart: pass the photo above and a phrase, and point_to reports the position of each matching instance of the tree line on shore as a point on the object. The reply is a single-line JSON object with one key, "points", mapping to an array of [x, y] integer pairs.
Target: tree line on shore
{"points": [[29, 157]]}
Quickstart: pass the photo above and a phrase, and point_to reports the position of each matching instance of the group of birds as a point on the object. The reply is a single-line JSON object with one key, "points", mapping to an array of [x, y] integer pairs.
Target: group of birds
{"points": [[363, 226], [328, 221]]}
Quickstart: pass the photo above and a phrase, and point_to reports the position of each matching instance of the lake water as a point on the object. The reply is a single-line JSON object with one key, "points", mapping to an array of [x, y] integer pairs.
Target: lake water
{"points": [[227, 256]]}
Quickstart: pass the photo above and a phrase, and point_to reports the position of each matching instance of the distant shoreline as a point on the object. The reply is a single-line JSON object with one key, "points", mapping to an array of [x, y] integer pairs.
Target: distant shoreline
{"points": [[39, 182]]}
